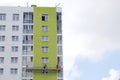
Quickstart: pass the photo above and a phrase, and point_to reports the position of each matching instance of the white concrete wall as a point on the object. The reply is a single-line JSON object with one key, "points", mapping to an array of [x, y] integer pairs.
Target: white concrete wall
{"points": [[8, 41]]}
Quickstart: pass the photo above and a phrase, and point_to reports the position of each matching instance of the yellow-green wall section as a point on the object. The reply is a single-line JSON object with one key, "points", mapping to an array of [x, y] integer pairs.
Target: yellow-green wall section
{"points": [[51, 43]]}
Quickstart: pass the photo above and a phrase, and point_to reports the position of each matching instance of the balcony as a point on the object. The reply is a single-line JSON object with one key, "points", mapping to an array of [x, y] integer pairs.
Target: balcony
{"points": [[27, 31], [27, 74], [42, 68], [28, 64], [27, 42], [27, 21], [28, 17], [60, 73], [27, 52]]}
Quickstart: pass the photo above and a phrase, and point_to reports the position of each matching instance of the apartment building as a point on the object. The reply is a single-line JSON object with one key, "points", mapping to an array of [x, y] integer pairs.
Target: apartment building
{"points": [[31, 43]]}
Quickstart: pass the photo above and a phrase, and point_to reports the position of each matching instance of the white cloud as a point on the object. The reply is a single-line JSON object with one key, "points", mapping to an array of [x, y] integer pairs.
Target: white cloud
{"points": [[74, 73], [113, 75], [91, 29]]}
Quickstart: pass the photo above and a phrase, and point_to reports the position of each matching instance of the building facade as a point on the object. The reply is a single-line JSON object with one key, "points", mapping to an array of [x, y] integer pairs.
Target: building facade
{"points": [[31, 43]]}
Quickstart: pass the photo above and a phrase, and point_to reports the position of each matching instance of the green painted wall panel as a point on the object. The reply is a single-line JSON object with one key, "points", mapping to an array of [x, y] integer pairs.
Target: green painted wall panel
{"points": [[51, 43]]}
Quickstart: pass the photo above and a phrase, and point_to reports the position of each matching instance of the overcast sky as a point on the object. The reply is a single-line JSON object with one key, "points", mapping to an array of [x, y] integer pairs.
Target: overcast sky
{"points": [[91, 37]]}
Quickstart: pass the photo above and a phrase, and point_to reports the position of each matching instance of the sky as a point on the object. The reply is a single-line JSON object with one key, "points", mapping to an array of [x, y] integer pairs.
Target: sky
{"points": [[91, 37]]}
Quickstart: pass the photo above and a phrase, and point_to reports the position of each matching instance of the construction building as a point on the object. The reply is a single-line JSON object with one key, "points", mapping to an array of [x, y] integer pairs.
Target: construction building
{"points": [[31, 43]]}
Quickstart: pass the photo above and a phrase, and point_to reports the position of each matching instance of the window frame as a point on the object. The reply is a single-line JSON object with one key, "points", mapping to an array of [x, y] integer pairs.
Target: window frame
{"points": [[15, 38], [14, 71], [15, 17], [2, 38], [44, 38], [44, 49], [2, 16], [2, 48], [14, 59], [45, 28], [2, 27], [1, 59], [45, 60], [1, 71], [15, 27], [44, 17], [14, 48]]}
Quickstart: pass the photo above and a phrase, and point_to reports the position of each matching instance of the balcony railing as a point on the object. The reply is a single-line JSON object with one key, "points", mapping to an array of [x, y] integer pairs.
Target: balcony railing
{"points": [[27, 31], [27, 42], [27, 64], [60, 74], [27, 52], [27, 74], [28, 21]]}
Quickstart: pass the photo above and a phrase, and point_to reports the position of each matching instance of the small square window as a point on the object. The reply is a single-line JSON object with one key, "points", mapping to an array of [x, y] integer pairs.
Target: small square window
{"points": [[44, 38], [2, 48], [1, 71], [2, 17], [44, 59], [14, 71], [14, 48], [15, 28], [14, 59], [44, 17], [44, 28], [15, 17], [45, 49], [15, 38], [2, 27], [2, 38], [1, 59]]}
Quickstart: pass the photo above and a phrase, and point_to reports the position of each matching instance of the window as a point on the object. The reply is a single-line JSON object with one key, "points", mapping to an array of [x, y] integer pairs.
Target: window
{"points": [[27, 48], [59, 28], [2, 38], [15, 38], [2, 16], [44, 49], [1, 59], [1, 71], [59, 39], [45, 17], [44, 28], [44, 38], [28, 29], [2, 27], [59, 23], [14, 48], [44, 59], [2, 48], [60, 74], [15, 17], [28, 17], [60, 61], [28, 39], [14, 59], [15, 28], [14, 71], [59, 50]]}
